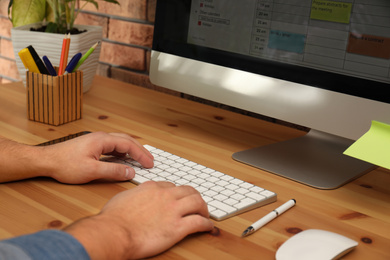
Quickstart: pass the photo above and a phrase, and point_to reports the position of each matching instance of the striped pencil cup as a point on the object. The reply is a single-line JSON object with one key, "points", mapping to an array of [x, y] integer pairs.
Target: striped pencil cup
{"points": [[54, 100]]}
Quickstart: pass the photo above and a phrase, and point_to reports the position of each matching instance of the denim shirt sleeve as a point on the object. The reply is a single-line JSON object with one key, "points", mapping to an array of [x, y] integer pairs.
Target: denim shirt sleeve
{"points": [[43, 245]]}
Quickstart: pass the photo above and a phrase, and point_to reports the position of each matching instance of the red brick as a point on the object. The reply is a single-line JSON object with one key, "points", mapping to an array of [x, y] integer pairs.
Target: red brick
{"points": [[6, 49], [4, 81], [90, 19], [151, 10], [135, 9], [4, 8], [131, 33], [8, 68], [129, 77], [129, 57], [148, 57], [103, 70], [5, 27]]}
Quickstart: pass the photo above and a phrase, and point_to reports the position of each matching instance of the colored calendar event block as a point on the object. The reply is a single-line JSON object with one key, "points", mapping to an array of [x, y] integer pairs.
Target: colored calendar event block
{"points": [[369, 45], [331, 11]]}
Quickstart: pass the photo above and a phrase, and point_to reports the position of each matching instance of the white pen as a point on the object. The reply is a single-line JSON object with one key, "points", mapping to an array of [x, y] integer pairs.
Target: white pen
{"points": [[267, 218]]}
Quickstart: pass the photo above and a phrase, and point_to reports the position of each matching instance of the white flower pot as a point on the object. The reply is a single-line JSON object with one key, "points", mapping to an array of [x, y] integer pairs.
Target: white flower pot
{"points": [[50, 44]]}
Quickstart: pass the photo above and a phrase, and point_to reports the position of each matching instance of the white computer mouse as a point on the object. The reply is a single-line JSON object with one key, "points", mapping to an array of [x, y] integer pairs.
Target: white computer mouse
{"points": [[315, 244]]}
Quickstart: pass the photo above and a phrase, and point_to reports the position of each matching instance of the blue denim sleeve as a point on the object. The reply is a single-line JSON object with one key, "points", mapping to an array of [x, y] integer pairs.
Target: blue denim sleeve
{"points": [[43, 245]]}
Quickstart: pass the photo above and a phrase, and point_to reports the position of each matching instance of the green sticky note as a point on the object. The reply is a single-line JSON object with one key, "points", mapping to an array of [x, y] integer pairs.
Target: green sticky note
{"points": [[331, 11], [373, 146]]}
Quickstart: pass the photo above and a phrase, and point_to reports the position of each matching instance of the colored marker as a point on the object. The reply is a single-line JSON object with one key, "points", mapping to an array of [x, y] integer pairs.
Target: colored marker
{"points": [[72, 63], [85, 56], [49, 66], [28, 60], [37, 60]]}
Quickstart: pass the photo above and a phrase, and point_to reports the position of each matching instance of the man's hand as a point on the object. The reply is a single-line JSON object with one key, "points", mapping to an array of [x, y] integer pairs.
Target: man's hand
{"points": [[143, 222], [75, 161]]}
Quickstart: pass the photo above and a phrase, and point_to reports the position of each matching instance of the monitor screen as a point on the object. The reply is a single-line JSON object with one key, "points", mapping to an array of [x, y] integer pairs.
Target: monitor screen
{"points": [[342, 46], [321, 64]]}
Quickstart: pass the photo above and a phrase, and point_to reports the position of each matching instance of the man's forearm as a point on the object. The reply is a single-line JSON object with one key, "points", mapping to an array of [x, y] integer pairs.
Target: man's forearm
{"points": [[20, 161], [102, 237]]}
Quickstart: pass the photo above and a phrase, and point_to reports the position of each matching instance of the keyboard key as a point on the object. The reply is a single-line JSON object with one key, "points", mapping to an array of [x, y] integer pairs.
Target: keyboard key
{"points": [[138, 179], [222, 206]]}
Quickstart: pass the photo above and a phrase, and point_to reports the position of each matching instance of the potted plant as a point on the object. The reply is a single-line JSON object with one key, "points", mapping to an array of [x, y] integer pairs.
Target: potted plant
{"points": [[44, 23]]}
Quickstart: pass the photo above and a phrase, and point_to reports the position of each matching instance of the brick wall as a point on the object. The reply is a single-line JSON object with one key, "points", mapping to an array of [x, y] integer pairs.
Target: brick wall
{"points": [[126, 45]]}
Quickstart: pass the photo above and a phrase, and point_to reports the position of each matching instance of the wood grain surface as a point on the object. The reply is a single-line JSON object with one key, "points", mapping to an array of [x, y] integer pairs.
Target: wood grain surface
{"points": [[359, 210]]}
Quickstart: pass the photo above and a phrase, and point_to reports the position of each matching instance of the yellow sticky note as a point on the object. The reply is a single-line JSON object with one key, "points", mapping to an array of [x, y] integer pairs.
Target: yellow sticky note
{"points": [[331, 11], [373, 146]]}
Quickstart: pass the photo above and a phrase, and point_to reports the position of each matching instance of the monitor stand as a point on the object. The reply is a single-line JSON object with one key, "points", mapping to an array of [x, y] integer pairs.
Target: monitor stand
{"points": [[315, 159]]}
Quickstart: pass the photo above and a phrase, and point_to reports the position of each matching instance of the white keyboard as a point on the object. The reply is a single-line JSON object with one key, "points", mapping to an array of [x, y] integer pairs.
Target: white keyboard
{"points": [[225, 196]]}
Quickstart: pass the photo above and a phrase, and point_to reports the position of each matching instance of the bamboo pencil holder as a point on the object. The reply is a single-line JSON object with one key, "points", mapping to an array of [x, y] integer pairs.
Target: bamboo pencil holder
{"points": [[54, 100]]}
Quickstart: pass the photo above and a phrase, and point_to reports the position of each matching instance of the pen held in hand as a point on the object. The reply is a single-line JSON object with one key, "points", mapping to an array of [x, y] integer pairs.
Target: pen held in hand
{"points": [[267, 218]]}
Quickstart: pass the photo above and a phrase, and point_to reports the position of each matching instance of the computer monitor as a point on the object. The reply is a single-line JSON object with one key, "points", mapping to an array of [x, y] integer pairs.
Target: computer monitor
{"points": [[316, 63]]}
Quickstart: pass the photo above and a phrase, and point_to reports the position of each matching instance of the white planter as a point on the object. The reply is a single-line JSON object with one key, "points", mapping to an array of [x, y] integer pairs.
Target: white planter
{"points": [[50, 44]]}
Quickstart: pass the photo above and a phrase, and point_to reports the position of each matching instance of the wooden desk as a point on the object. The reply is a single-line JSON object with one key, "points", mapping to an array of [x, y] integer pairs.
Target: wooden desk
{"points": [[359, 210]]}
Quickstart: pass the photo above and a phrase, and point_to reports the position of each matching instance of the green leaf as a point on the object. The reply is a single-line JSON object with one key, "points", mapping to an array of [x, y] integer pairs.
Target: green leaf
{"points": [[27, 11], [51, 27], [9, 9], [93, 2], [112, 1]]}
